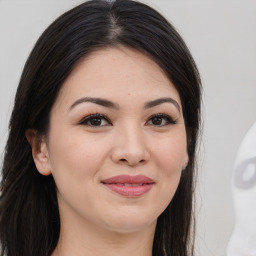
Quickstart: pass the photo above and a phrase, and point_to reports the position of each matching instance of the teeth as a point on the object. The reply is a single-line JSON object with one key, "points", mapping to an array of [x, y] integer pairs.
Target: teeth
{"points": [[132, 185], [129, 184], [137, 185]]}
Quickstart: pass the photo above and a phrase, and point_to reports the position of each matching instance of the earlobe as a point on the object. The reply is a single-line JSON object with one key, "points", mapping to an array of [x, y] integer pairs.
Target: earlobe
{"points": [[39, 152]]}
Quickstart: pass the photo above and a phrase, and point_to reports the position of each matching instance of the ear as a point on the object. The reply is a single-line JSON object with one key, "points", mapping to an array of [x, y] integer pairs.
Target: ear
{"points": [[39, 152], [185, 161]]}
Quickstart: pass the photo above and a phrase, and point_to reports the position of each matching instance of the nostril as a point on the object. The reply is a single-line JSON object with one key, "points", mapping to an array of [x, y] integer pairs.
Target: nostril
{"points": [[131, 163]]}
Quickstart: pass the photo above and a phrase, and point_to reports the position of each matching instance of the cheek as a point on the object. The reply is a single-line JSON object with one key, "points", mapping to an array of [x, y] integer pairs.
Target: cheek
{"points": [[75, 163], [170, 154], [76, 156]]}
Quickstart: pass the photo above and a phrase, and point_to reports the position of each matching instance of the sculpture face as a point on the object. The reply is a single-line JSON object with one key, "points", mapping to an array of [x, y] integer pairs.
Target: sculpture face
{"points": [[243, 239]]}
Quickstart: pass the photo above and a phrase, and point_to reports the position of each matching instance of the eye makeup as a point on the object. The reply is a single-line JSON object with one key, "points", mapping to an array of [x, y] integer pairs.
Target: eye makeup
{"points": [[100, 120], [160, 120], [95, 120]]}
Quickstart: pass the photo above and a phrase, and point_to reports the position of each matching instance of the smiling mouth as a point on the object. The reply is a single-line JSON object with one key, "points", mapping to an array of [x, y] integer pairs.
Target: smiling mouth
{"points": [[129, 186]]}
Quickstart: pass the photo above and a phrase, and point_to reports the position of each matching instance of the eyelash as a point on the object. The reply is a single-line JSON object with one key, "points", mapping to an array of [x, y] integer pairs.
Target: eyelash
{"points": [[170, 120], [89, 118]]}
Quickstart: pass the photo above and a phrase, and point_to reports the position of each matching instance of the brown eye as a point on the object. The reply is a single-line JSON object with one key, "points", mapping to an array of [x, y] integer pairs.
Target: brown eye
{"points": [[160, 120], [96, 120], [157, 120]]}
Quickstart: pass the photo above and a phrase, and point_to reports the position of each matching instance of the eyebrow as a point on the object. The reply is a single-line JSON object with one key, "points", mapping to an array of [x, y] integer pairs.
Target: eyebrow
{"points": [[110, 104], [159, 101], [99, 101]]}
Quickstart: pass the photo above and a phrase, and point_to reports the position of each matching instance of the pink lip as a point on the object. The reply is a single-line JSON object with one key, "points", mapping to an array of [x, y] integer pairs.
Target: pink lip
{"points": [[129, 186]]}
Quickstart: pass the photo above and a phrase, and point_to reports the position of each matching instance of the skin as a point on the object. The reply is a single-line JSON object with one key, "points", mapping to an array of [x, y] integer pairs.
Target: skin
{"points": [[80, 154]]}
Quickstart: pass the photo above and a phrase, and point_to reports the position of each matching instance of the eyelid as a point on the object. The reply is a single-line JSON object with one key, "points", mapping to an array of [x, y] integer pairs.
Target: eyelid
{"points": [[85, 120], [94, 115], [171, 120]]}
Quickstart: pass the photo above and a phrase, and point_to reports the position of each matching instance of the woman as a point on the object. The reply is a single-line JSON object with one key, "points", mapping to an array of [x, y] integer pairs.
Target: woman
{"points": [[100, 158]]}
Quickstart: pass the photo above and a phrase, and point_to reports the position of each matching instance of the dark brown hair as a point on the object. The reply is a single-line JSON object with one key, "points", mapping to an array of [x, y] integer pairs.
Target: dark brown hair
{"points": [[29, 216]]}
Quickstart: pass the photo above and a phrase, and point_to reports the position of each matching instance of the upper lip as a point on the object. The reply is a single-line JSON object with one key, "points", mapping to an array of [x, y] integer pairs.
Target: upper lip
{"points": [[128, 179]]}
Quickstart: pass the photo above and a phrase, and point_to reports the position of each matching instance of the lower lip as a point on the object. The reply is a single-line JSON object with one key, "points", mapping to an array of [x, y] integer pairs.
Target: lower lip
{"points": [[130, 191]]}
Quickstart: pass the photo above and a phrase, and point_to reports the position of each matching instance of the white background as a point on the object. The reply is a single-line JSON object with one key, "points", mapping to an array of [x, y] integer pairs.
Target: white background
{"points": [[222, 38]]}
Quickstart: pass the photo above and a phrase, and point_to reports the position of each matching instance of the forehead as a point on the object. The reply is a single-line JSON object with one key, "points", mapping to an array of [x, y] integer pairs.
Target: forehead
{"points": [[117, 72]]}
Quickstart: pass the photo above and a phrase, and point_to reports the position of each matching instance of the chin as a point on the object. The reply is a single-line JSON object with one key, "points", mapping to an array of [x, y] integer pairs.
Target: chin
{"points": [[130, 224]]}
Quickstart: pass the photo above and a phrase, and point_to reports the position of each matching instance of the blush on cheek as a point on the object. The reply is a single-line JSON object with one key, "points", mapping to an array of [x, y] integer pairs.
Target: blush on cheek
{"points": [[171, 160], [172, 155]]}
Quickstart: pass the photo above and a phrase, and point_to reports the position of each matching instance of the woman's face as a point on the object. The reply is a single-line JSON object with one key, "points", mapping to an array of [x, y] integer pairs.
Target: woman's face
{"points": [[117, 142]]}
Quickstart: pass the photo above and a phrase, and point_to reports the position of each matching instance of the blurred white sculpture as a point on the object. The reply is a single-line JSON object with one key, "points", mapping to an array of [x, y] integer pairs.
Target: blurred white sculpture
{"points": [[243, 238]]}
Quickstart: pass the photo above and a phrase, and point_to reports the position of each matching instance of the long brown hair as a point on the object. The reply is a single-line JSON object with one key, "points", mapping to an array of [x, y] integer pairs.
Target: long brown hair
{"points": [[29, 216]]}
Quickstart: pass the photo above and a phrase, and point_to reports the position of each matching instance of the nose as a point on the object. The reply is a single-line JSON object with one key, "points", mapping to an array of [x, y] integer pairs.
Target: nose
{"points": [[130, 147]]}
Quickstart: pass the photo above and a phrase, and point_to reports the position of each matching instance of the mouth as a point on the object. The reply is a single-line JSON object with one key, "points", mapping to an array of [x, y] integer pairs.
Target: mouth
{"points": [[129, 186]]}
